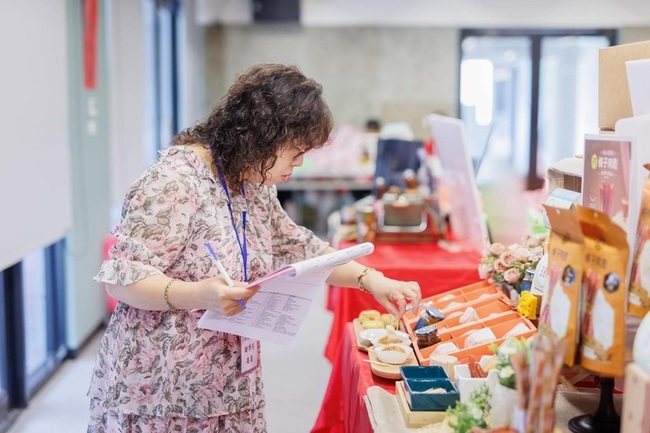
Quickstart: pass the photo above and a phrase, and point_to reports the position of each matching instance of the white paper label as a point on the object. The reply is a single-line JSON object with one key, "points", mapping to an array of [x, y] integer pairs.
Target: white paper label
{"points": [[249, 354]]}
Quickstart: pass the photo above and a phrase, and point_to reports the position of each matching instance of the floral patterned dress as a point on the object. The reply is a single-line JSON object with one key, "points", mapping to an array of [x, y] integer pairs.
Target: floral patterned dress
{"points": [[157, 371]]}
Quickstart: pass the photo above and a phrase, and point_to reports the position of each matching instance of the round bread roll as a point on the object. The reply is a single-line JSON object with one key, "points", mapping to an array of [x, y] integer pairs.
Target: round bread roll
{"points": [[389, 319], [372, 324], [369, 314]]}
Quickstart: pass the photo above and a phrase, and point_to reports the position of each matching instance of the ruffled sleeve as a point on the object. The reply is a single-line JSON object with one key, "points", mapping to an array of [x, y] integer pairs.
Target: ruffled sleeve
{"points": [[157, 217]]}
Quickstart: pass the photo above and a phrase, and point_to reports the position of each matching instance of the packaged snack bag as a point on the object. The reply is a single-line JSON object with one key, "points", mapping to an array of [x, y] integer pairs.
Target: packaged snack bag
{"points": [[639, 296], [604, 294], [560, 313]]}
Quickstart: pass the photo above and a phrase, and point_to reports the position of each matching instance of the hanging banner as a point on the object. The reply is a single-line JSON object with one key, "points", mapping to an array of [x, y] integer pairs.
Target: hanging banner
{"points": [[90, 43]]}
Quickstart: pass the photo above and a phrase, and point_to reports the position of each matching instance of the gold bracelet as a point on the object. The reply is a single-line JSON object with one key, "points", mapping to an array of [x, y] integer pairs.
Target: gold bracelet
{"points": [[166, 296], [362, 274]]}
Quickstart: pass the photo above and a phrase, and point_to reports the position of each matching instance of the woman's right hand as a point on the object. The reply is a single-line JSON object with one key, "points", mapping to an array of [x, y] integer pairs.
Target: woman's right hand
{"points": [[217, 296]]}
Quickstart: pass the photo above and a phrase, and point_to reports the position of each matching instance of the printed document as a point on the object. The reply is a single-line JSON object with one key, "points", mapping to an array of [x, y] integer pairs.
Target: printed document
{"points": [[277, 311]]}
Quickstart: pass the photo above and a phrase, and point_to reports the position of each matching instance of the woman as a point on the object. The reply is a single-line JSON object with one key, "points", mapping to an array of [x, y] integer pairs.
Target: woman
{"points": [[156, 371]]}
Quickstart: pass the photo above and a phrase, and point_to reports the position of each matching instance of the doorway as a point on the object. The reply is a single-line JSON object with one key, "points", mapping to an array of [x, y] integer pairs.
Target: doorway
{"points": [[527, 97]]}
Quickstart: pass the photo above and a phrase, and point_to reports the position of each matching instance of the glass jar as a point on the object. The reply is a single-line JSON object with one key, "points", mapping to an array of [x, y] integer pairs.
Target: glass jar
{"points": [[427, 336], [429, 316]]}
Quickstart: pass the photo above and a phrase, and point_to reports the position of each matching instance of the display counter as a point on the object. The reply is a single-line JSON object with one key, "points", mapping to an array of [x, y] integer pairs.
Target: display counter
{"points": [[343, 408], [434, 268], [344, 411]]}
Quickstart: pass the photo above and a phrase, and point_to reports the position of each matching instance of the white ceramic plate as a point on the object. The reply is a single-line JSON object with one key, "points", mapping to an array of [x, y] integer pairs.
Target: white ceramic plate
{"points": [[370, 334]]}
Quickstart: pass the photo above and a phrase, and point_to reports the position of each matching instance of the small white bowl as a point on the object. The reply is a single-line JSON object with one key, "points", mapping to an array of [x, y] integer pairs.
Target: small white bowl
{"points": [[393, 353], [369, 334], [403, 338], [466, 383]]}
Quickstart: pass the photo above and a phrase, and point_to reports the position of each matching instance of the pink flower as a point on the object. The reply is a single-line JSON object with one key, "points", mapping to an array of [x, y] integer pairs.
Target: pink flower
{"points": [[497, 248], [484, 270], [522, 254], [512, 275], [500, 266], [536, 253], [508, 258]]}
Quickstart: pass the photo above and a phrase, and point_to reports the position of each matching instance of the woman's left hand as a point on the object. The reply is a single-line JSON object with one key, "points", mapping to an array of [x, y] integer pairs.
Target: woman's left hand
{"points": [[393, 295]]}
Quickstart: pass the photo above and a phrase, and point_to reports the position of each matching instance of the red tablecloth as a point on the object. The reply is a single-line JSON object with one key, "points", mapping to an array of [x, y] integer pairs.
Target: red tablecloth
{"points": [[436, 269], [343, 409]]}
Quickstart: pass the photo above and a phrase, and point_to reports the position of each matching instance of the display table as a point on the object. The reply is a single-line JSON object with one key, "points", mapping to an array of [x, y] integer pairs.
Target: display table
{"points": [[343, 408], [435, 269], [344, 411]]}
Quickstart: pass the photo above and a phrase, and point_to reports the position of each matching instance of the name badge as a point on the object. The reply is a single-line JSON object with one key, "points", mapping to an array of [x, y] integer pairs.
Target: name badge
{"points": [[249, 354]]}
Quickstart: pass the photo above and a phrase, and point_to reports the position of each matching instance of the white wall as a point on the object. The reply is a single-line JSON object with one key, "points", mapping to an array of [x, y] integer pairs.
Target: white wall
{"points": [[446, 13], [130, 53], [34, 159]]}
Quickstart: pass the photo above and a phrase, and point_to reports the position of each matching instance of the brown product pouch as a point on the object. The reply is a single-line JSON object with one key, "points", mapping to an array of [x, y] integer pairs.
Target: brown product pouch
{"points": [[639, 296], [560, 314], [604, 294]]}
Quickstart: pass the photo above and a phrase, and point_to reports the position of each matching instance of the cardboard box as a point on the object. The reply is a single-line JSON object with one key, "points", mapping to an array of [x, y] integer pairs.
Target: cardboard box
{"points": [[636, 400], [614, 100]]}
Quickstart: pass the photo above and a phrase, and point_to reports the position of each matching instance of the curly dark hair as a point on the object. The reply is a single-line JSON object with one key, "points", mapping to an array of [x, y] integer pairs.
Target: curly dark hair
{"points": [[268, 107]]}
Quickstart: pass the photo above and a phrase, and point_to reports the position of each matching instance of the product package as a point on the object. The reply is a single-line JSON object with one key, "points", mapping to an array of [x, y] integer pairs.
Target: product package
{"points": [[639, 296], [560, 313], [604, 294]]}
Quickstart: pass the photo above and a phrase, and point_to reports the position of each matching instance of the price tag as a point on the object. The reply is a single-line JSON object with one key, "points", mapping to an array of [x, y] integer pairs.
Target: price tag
{"points": [[249, 354]]}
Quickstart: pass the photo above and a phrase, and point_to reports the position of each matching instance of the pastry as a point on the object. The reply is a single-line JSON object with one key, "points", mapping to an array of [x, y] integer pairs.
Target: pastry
{"points": [[372, 324], [389, 320], [369, 315]]}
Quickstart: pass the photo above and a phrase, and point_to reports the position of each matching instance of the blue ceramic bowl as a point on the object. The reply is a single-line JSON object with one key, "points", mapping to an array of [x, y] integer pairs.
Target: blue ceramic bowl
{"points": [[422, 400], [423, 372]]}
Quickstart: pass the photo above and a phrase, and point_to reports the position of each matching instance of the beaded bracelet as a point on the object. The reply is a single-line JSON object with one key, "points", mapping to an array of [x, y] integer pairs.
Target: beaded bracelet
{"points": [[166, 296], [362, 274]]}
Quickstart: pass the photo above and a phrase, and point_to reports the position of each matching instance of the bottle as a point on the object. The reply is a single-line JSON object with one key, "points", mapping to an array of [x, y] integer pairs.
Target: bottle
{"points": [[429, 316], [427, 336], [527, 282]]}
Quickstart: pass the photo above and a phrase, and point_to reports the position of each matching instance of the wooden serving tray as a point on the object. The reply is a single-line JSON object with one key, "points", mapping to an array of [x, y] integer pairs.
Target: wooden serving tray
{"points": [[362, 344], [385, 371], [414, 418]]}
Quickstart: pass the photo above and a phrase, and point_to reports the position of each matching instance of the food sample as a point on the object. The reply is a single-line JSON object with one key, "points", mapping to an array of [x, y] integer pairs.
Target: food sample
{"points": [[446, 297], [389, 320], [390, 337], [475, 369], [445, 348], [434, 391], [519, 328], [480, 336], [447, 362], [451, 305], [369, 315], [372, 324], [393, 353], [469, 315]]}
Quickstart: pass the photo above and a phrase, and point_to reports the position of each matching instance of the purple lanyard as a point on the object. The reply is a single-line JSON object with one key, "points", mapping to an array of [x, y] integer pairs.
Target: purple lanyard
{"points": [[241, 242]]}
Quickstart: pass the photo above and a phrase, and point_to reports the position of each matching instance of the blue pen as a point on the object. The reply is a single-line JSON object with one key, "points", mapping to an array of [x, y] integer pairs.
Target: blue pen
{"points": [[222, 271]]}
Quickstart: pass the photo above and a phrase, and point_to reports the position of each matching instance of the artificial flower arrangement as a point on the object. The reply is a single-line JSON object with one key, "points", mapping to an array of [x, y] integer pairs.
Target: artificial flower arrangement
{"points": [[502, 264], [505, 370], [475, 413]]}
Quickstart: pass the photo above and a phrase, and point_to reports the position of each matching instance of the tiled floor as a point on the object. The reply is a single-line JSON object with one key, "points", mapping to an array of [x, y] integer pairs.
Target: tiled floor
{"points": [[295, 381]]}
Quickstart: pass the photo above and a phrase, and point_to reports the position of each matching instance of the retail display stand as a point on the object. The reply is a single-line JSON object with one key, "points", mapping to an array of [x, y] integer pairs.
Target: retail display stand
{"points": [[492, 308]]}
